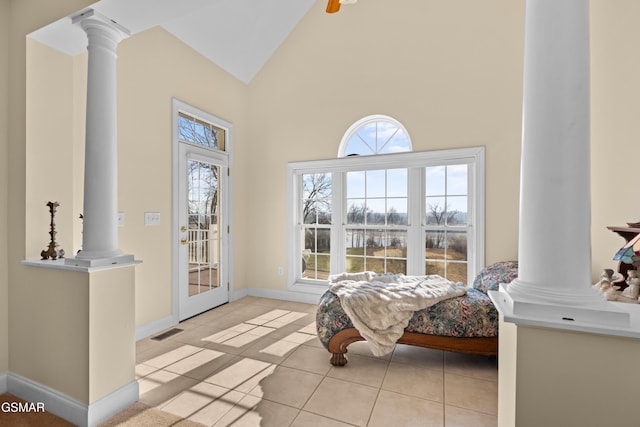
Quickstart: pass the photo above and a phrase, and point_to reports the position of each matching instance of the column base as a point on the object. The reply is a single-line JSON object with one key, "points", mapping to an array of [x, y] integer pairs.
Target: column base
{"points": [[519, 309], [118, 259]]}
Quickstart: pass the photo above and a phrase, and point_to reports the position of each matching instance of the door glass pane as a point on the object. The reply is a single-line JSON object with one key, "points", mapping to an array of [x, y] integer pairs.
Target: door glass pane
{"points": [[203, 204]]}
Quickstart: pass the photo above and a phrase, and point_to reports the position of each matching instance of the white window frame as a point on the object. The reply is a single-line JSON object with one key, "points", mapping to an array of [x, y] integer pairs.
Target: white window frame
{"points": [[416, 162]]}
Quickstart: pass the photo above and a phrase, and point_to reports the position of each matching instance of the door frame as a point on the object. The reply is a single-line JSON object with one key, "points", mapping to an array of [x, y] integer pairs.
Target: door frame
{"points": [[177, 107]]}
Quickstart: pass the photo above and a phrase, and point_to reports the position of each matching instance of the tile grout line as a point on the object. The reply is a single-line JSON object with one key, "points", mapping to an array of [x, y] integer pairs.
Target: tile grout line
{"points": [[381, 384]]}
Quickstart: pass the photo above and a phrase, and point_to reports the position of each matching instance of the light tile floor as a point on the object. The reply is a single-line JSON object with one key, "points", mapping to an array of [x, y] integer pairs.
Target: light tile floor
{"points": [[258, 362]]}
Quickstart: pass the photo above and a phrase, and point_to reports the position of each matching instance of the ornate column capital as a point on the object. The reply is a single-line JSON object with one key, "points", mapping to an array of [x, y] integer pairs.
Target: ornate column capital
{"points": [[98, 26]]}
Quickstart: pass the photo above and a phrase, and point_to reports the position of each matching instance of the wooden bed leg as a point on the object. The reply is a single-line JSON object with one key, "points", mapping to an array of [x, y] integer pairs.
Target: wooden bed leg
{"points": [[338, 359]]}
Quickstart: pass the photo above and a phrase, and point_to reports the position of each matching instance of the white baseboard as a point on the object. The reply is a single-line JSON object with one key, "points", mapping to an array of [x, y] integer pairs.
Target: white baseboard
{"points": [[156, 326], [113, 403], [284, 295], [236, 295], [3, 383], [69, 408]]}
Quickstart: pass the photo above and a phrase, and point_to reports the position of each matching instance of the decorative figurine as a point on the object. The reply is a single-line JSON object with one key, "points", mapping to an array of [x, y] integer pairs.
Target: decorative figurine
{"points": [[609, 291], [633, 290], [51, 252], [608, 280]]}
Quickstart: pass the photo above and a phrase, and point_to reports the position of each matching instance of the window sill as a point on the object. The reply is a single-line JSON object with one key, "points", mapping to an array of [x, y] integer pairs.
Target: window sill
{"points": [[308, 288]]}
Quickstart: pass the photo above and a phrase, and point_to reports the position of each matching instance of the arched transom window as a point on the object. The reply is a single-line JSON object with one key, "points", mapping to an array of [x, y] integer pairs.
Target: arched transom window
{"points": [[376, 134]]}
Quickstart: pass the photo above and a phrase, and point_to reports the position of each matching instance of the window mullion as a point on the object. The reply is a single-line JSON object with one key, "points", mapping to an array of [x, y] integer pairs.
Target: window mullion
{"points": [[338, 251], [415, 238]]}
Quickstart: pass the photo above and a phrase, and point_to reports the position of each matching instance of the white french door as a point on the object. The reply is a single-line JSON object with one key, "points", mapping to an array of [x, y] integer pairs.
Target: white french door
{"points": [[202, 229]]}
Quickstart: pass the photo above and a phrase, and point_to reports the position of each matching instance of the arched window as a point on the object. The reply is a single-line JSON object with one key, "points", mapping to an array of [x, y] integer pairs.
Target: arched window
{"points": [[382, 207], [376, 134]]}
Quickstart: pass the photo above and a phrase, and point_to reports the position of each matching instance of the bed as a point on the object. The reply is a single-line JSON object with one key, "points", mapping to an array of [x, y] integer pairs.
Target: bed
{"points": [[464, 324]]}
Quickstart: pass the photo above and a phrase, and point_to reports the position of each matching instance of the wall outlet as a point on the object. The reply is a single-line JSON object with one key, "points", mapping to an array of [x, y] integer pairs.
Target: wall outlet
{"points": [[280, 271], [152, 218]]}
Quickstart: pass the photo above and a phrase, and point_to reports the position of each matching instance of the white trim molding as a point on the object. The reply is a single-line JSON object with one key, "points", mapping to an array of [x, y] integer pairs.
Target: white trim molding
{"points": [[291, 295]]}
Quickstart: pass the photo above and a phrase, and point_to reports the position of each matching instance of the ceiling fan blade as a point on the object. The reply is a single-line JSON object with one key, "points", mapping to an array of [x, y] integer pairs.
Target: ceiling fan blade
{"points": [[333, 6]]}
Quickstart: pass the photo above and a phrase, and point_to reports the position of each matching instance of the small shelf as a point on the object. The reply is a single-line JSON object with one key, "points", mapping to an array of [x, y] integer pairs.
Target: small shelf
{"points": [[627, 233]]}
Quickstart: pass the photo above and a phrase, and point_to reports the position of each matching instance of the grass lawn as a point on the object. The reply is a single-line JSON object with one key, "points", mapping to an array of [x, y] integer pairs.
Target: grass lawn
{"points": [[318, 266]]}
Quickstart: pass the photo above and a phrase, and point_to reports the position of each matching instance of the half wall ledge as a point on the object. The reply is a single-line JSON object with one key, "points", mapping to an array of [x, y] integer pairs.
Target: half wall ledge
{"points": [[619, 319], [64, 264]]}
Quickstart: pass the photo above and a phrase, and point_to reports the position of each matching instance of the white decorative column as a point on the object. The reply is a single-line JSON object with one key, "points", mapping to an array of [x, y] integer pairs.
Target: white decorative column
{"points": [[100, 206], [554, 237], [80, 361]]}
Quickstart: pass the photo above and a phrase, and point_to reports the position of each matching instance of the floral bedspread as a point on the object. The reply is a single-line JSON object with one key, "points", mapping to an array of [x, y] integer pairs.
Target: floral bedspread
{"points": [[471, 315]]}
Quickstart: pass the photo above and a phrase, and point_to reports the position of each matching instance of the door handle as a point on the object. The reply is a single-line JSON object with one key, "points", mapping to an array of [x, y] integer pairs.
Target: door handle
{"points": [[183, 229], [183, 241]]}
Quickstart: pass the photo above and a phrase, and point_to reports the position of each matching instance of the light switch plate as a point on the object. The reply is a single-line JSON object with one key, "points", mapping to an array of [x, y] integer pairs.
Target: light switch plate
{"points": [[152, 218]]}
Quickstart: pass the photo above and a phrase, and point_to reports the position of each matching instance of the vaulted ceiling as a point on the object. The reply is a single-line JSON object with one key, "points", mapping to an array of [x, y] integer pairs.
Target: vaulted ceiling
{"points": [[237, 35]]}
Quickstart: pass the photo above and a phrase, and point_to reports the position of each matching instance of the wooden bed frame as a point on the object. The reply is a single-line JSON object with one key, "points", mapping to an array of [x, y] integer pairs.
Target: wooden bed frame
{"points": [[470, 345]]}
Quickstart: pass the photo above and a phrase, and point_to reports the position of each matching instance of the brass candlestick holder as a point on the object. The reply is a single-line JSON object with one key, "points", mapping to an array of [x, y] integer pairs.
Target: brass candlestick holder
{"points": [[50, 252]]}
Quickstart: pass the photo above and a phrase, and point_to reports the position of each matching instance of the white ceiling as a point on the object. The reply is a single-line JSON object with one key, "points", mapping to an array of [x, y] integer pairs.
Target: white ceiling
{"points": [[237, 35]]}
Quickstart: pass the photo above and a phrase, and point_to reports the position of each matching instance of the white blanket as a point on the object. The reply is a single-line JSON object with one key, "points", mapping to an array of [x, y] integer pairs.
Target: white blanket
{"points": [[381, 305]]}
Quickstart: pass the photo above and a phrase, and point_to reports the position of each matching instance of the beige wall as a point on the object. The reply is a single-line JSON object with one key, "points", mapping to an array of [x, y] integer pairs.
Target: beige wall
{"points": [[153, 67], [49, 148], [23, 17], [49, 334], [4, 184], [451, 72], [615, 130], [110, 341], [567, 378], [76, 332]]}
